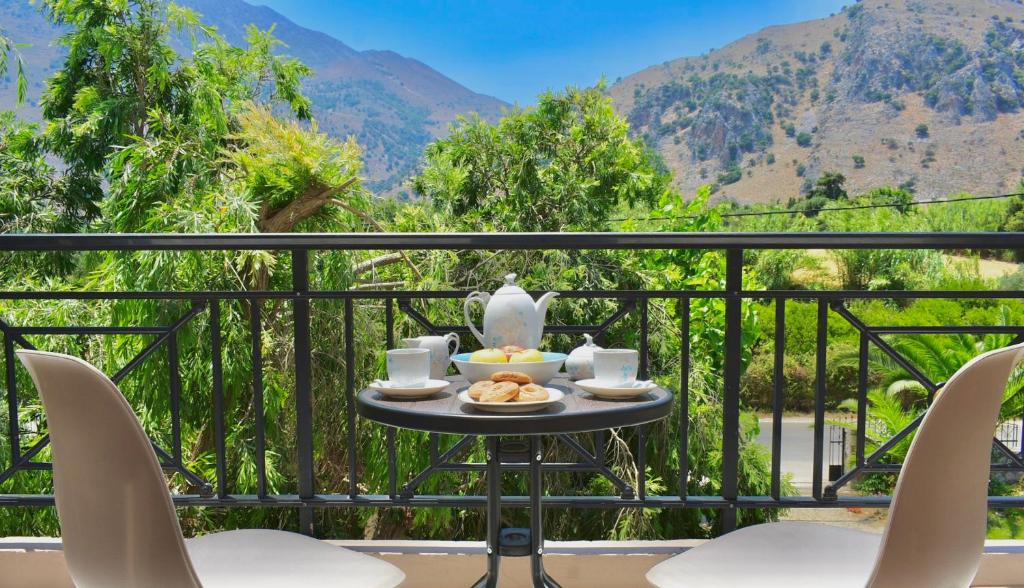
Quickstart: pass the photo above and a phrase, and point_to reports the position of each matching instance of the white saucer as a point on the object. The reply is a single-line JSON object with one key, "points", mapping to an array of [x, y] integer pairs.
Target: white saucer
{"points": [[554, 395], [427, 388], [595, 387]]}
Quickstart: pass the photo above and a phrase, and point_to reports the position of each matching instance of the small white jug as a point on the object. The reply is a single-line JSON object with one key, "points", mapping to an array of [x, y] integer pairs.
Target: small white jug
{"points": [[440, 351]]}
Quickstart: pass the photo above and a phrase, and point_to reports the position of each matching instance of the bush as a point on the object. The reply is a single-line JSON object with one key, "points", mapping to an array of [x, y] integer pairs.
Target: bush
{"points": [[803, 139], [858, 161], [730, 175], [921, 131]]}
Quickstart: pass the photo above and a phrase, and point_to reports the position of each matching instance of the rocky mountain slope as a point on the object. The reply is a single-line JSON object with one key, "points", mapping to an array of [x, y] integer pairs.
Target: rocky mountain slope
{"points": [[918, 93], [394, 105]]}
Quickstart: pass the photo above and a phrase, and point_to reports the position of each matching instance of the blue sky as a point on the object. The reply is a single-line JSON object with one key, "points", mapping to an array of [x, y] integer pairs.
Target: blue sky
{"points": [[514, 50]]}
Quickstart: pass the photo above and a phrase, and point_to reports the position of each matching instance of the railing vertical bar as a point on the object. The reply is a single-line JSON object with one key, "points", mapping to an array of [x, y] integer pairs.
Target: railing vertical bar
{"points": [[259, 412], [174, 374], [434, 449], [350, 402], [218, 398], [819, 399], [389, 324], [392, 463], [684, 397], [862, 399], [778, 396], [599, 446], [644, 325], [13, 425], [641, 461], [732, 366], [303, 386]]}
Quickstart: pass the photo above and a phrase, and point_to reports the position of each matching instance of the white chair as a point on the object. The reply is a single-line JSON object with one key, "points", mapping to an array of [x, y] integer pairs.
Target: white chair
{"points": [[118, 523], [937, 520]]}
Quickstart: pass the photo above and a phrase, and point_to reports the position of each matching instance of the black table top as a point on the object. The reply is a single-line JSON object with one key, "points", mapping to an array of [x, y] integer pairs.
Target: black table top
{"points": [[578, 412]]}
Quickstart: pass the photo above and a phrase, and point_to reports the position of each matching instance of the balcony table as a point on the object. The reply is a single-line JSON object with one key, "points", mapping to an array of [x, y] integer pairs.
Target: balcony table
{"points": [[578, 412]]}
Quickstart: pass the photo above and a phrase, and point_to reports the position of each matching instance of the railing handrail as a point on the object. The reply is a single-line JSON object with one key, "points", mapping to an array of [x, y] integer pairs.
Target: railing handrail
{"points": [[521, 241]]}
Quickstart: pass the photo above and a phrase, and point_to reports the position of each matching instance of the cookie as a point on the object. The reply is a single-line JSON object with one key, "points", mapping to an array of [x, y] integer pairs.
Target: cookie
{"points": [[532, 393], [500, 392], [477, 389], [508, 376]]}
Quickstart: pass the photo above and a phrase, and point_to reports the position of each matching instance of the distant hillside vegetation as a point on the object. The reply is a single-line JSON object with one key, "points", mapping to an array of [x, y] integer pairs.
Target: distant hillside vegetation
{"points": [[887, 92], [394, 105]]}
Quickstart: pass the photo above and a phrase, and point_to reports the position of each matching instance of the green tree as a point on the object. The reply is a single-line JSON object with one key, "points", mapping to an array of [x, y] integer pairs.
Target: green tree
{"points": [[803, 139], [830, 185], [565, 164], [921, 131], [9, 49]]}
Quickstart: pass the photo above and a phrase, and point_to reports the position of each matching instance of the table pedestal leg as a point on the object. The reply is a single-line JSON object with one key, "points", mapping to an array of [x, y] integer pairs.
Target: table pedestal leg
{"points": [[490, 579], [540, 578]]}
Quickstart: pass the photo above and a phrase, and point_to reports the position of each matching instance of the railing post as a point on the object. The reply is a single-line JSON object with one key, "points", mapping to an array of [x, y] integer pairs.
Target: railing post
{"points": [[732, 366], [303, 386]]}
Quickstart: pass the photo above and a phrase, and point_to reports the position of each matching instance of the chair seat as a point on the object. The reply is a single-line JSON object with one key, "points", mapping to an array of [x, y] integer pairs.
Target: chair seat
{"points": [[272, 559], [777, 555]]}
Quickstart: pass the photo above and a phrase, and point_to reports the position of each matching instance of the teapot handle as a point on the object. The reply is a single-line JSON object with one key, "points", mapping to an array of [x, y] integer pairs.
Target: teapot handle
{"points": [[452, 338], [480, 298]]}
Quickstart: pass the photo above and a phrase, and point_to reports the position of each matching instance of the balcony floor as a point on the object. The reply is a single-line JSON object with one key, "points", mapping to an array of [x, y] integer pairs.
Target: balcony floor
{"points": [[38, 563]]}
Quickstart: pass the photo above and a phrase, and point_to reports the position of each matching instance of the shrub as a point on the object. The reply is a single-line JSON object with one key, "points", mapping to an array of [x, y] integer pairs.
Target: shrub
{"points": [[921, 131], [803, 139], [858, 161], [730, 175]]}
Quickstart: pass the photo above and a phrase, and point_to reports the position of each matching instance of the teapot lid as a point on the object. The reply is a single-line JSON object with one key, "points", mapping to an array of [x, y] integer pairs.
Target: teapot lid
{"points": [[510, 286]]}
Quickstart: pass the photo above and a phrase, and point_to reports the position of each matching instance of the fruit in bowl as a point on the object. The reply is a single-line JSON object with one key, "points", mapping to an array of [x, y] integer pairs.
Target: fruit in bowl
{"points": [[526, 356], [488, 356], [540, 366]]}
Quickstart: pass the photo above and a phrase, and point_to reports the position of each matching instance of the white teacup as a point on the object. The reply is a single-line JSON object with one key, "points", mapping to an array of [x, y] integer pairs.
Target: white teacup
{"points": [[408, 367], [616, 367]]}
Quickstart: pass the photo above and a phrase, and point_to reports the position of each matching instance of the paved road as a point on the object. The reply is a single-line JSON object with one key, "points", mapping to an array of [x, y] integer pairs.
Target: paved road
{"points": [[798, 449]]}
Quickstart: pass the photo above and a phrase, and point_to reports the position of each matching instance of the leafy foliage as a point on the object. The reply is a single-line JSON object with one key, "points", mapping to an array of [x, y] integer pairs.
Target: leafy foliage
{"points": [[564, 164]]}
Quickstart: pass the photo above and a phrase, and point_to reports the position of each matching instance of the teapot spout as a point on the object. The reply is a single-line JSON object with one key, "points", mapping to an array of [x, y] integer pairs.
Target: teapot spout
{"points": [[542, 307]]}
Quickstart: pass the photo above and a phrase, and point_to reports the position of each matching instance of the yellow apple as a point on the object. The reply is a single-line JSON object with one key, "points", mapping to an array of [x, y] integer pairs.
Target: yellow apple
{"points": [[488, 356], [528, 356]]}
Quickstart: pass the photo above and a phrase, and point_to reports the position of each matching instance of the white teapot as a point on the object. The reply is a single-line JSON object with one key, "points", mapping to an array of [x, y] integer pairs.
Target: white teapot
{"points": [[511, 317]]}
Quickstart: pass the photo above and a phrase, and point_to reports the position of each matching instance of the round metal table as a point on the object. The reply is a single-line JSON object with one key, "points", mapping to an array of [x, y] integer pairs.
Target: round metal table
{"points": [[578, 412]]}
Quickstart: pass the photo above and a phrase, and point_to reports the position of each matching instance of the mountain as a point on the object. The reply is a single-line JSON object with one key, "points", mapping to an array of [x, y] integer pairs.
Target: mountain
{"points": [[920, 93], [394, 105]]}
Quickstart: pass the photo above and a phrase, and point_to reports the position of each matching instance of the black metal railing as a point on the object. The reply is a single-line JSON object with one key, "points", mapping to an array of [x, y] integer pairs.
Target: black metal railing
{"points": [[831, 305]]}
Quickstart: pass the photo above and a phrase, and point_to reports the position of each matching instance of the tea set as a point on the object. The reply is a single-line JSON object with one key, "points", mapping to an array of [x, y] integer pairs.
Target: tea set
{"points": [[513, 325]]}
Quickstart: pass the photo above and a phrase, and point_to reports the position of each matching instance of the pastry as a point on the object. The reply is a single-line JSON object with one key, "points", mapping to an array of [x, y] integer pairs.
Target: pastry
{"points": [[532, 393], [477, 389], [500, 392], [509, 376]]}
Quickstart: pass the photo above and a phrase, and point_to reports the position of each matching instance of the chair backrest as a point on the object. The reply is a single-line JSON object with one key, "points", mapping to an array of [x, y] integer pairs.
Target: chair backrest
{"points": [[938, 518], [118, 524]]}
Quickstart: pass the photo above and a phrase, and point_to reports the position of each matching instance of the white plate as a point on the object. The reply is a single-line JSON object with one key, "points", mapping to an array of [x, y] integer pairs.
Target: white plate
{"points": [[554, 395], [406, 391], [616, 392]]}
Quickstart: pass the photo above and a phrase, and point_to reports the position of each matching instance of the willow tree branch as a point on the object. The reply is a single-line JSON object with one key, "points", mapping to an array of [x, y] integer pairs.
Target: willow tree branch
{"points": [[369, 220]]}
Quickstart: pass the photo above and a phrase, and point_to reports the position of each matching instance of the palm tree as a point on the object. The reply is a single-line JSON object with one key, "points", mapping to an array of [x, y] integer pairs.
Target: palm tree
{"points": [[938, 357]]}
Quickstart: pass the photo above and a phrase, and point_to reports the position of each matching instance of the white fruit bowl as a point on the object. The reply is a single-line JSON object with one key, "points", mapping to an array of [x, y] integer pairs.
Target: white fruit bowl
{"points": [[541, 372]]}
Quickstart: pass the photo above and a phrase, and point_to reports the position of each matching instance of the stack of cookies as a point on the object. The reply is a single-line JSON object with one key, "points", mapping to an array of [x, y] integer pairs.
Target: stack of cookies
{"points": [[508, 386]]}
